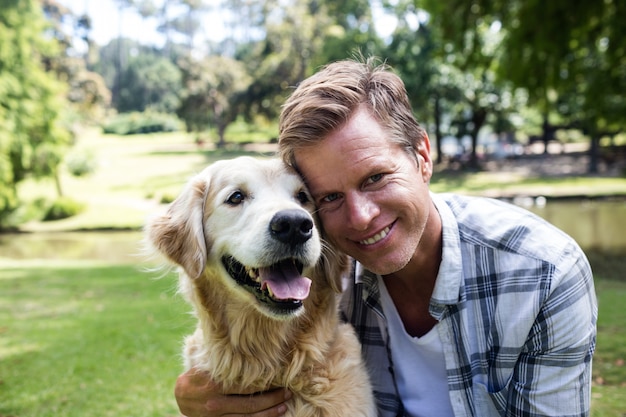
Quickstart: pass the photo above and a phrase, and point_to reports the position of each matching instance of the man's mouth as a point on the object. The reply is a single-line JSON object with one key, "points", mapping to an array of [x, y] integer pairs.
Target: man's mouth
{"points": [[280, 286], [377, 237]]}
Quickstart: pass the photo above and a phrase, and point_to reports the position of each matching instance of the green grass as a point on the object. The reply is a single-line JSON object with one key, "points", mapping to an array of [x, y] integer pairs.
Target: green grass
{"points": [[609, 368], [610, 364], [88, 340], [508, 184]]}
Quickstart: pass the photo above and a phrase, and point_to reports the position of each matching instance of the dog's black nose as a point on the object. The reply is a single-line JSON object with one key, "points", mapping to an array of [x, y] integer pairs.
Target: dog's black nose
{"points": [[291, 226]]}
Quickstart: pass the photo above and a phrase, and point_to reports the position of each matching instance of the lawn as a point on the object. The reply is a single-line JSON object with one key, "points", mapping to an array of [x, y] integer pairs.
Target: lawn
{"points": [[83, 339], [609, 366]]}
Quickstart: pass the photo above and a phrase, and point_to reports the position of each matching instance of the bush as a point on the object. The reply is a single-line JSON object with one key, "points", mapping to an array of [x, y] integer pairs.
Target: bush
{"points": [[80, 163], [137, 123], [167, 198], [63, 208]]}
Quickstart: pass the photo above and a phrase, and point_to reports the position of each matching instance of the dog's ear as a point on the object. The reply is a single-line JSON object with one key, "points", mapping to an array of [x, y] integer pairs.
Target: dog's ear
{"points": [[179, 233], [334, 265]]}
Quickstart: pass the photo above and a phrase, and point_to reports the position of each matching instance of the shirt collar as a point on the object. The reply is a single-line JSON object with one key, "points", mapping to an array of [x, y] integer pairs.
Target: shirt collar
{"points": [[448, 284]]}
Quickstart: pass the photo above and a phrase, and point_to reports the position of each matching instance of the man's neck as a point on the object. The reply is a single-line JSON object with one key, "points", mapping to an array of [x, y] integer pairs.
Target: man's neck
{"points": [[412, 287]]}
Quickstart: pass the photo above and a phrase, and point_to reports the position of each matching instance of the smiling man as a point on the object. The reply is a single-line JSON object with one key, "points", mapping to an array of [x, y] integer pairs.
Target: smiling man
{"points": [[464, 306]]}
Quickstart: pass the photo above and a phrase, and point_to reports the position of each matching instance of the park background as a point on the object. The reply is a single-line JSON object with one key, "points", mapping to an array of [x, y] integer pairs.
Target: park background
{"points": [[108, 107]]}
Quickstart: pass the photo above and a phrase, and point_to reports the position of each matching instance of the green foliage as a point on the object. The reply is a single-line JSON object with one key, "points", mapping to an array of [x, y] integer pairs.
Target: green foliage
{"points": [[30, 211], [62, 208], [149, 82], [8, 194], [167, 198], [139, 77], [350, 29], [304, 37], [136, 123], [571, 66], [80, 162], [32, 137], [215, 87]]}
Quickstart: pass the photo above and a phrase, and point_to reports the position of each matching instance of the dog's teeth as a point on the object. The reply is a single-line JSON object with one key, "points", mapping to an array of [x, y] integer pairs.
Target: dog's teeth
{"points": [[253, 274]]}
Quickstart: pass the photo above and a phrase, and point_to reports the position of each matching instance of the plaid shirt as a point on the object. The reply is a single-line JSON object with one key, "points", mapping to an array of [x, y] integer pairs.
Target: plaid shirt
{"points": [[517, 315]]}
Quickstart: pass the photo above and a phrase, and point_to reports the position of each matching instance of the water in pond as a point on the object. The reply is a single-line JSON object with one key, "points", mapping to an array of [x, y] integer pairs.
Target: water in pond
{"points": [[114, 247], [595, 224]]}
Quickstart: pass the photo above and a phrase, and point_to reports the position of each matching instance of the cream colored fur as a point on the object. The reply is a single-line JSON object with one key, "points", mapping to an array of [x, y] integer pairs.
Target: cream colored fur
{"points": [[237, 340]]}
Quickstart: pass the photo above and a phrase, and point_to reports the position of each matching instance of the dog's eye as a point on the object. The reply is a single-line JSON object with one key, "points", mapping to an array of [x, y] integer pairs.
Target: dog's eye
{"points": [[302, 197], [235, 198]]}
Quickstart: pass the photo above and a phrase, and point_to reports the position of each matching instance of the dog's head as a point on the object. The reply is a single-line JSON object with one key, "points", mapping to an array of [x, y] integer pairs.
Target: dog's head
{"points": [[251, 222]]}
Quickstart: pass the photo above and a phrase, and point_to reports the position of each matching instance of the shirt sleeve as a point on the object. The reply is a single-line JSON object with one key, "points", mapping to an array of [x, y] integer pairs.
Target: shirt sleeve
{"points": [[552, 376]]}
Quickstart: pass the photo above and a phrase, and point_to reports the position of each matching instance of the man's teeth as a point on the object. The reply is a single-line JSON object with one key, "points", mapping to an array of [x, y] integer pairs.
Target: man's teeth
{"points": [[376, 238]]}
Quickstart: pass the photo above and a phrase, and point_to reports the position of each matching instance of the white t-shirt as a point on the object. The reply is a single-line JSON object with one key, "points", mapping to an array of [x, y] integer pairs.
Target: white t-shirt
{"points": [[419, 365]]}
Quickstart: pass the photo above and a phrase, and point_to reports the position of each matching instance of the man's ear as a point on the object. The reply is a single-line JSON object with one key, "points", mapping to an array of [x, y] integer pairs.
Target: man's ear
{"points": [[179, 233], [424, 159]]}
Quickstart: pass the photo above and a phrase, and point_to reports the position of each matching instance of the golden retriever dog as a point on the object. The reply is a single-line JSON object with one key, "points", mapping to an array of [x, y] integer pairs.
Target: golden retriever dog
{"points": [[263, 285]]}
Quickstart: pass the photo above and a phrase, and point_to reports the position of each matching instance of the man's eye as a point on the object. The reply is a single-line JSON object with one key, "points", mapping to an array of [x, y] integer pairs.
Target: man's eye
{"points": [[375, 178], [330, 198], [235, 198]]}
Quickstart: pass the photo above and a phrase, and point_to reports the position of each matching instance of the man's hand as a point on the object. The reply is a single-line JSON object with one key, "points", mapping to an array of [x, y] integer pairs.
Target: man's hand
{"points": [[198, 395]]}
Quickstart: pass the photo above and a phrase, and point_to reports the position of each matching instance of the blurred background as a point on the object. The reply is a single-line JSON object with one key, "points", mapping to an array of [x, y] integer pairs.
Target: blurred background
{"points": [[107, 107]]}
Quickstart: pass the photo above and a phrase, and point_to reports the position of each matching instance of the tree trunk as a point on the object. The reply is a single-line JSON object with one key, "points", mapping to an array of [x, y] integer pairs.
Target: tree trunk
{"points": [[593, 153], [57, 183], [478, 119], [545, 133], [221, 130], [438, 137]]}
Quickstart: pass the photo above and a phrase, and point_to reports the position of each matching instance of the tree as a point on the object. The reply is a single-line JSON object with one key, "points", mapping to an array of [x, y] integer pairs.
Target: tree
{"points": [[454, 85], [213, 91], [175, 17], [349, 31], [139, 76], [32, 137], [112, 62], [149, 82], [413, 53], [572, 64], [279, 48], [86, 90]]}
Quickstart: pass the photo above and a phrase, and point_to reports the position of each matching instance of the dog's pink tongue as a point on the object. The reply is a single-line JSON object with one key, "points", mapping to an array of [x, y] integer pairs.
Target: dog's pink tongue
{"points": [[285, 281]]}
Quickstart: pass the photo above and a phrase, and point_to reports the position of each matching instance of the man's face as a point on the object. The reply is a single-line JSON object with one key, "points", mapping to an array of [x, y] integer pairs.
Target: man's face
{"points": [[372, 196]]}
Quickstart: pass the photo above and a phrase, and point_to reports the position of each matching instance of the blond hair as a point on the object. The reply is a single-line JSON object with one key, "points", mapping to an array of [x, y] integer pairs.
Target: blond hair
{"points": [[326, 100]]}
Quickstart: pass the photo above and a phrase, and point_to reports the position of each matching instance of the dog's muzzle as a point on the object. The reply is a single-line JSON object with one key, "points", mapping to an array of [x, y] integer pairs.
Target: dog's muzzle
{"points": [[281, 286]]}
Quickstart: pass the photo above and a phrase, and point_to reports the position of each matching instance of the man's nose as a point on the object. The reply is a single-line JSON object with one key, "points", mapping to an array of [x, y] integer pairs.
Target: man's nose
{"points": [[361, 211]]}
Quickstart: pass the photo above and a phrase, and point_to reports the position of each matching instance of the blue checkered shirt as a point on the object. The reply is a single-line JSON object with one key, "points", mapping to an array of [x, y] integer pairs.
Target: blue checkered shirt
{"points": [[517, 312]]}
